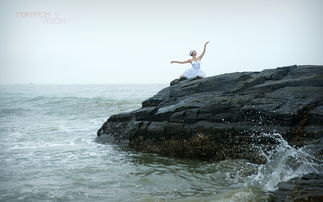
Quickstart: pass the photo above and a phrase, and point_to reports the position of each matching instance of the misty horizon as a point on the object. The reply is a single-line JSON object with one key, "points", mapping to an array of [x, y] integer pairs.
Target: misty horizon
{"points": [[127, 42]]}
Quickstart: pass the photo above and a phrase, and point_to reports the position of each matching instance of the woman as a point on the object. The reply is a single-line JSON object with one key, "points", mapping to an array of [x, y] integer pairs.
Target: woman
{"points": [[194, 71]]}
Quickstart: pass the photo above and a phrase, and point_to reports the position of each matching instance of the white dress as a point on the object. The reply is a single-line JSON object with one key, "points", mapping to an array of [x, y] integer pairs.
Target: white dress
{"points": [[194, 71]]}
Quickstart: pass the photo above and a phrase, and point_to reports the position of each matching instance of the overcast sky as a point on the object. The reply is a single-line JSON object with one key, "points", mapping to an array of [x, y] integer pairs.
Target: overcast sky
{"points": [[133, 41]]}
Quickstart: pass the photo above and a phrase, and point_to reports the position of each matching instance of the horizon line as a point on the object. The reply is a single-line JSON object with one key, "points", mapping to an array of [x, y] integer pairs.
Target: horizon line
{"points": [[32, 83]]}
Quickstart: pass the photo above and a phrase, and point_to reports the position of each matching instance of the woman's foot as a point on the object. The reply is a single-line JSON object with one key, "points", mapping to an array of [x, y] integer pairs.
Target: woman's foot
{"points": [[181, 78]]}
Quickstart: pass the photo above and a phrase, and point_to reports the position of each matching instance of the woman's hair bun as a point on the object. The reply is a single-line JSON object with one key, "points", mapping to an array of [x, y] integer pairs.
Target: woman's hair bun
{"points": [[191, 52]]}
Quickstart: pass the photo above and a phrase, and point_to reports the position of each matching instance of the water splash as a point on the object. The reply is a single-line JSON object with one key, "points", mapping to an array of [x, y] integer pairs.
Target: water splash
{"points": [[283, 163]]}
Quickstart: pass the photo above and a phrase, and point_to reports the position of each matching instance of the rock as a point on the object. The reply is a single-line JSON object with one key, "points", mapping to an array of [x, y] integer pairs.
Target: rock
{"points": [[307, 188], [219, 117]]}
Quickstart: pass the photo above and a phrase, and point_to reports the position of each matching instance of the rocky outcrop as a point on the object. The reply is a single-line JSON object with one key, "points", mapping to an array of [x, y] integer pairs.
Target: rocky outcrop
{"points": [[306, 188], [219, 117]]}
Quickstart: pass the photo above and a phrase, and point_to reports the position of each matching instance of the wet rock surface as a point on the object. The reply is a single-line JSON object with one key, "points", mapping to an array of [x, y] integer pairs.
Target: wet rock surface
{"points": [[308, 188], [219, 117]]}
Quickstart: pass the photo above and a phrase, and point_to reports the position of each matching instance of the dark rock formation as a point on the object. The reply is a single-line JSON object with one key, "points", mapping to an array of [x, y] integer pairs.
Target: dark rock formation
{"points": [[307, 188], [219, 117]]}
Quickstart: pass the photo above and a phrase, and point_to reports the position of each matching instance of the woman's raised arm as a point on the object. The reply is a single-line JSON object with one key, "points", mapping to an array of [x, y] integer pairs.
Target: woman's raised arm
{"points": [[202, 54]]}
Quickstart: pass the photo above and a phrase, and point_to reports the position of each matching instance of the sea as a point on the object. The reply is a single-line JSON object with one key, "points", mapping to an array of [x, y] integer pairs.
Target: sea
{"points": [[49, 152]]}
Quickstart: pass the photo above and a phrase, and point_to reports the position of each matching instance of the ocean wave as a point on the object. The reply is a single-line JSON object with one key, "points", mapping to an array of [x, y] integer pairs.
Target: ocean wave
{"points": [[16, 111], [69, 106]]}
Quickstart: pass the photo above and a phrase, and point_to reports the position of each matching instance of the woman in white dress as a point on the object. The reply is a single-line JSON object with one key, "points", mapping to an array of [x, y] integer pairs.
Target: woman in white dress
{"points": [[195, 70]]}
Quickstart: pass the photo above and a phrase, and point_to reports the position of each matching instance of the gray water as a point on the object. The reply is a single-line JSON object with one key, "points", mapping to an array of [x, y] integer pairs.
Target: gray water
{"points": [[49, 152]]}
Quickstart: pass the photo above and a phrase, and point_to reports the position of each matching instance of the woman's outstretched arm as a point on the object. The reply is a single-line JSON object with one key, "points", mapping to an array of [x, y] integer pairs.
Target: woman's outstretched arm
{"points": [[181, 62], [202, 54]]}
